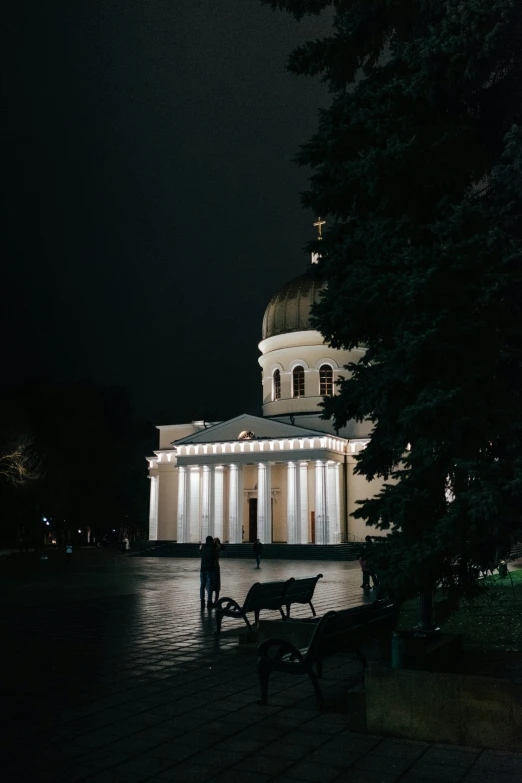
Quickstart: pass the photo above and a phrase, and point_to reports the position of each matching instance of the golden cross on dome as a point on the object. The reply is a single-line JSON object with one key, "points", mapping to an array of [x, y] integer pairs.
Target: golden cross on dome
{"points": [[319, 223]]}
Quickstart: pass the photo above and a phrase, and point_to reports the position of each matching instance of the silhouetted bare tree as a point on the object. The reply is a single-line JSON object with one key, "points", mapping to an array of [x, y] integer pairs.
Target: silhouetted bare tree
{"points": [[19, 462]]}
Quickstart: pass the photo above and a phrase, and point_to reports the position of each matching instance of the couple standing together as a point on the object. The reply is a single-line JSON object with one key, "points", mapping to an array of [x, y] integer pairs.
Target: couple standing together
{"points": [[210, 572]]}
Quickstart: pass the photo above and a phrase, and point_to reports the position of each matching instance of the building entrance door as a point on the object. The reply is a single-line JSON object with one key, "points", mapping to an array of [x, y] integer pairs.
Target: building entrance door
{"points": [[252, 519]]}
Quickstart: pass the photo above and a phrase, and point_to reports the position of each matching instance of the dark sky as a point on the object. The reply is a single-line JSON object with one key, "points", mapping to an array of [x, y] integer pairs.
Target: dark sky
{"points": [[151, 202]]}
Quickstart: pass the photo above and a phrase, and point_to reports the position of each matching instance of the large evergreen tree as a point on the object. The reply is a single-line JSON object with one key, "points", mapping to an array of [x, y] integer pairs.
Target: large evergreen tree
{"points": [[418, 165]]}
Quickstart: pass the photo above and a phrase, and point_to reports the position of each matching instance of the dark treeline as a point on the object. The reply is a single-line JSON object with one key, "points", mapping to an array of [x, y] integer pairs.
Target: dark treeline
{"points": [[79, 461]]}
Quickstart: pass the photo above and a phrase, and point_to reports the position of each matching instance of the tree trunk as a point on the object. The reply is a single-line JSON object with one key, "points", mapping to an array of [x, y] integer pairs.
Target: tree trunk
{"points": [[426, 612]]}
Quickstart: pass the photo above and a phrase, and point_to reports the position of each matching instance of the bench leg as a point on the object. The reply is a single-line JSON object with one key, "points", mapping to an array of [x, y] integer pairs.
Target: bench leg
{"points": [[256, 615], [219, 620], [287, 612], [312, 608], [317, 689], [247, 621], [263, 670]]}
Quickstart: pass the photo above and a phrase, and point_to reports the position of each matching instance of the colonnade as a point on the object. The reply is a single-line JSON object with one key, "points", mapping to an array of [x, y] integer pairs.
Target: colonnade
{"points": [[201, 502], [327, 503]]}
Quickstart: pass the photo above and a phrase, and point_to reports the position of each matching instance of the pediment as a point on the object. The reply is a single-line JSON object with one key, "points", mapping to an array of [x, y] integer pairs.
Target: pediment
{"points": [[257, 426]]}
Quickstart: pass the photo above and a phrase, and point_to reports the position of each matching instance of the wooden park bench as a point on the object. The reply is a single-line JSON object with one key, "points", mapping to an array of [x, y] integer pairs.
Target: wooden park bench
{"points": [[336, 632], [301, 591], [268, 595]]}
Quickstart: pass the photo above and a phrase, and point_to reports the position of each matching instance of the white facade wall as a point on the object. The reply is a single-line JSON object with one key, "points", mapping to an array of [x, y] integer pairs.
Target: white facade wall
{"points": [[171, 433], [167, 504], [360, 488]]}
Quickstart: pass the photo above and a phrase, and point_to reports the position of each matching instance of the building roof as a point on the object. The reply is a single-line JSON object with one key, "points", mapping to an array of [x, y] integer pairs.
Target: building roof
{"points": [[257, 428], [290, 308]]}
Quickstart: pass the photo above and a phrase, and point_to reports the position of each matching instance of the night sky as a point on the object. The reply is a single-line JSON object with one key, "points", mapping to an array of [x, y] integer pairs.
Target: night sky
{"points": [[151, 199]]}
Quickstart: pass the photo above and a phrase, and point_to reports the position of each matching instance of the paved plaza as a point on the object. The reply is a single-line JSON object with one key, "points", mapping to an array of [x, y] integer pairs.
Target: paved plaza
{"points": [[112, 674]]}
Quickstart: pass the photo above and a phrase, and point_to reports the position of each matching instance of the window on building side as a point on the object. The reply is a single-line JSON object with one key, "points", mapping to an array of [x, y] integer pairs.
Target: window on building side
{"points": [[298, 378], [277, 385], [325, 381]]}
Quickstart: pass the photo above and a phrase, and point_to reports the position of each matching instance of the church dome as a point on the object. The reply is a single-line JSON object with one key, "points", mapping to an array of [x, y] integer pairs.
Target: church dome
{"points": [[289, 309]]}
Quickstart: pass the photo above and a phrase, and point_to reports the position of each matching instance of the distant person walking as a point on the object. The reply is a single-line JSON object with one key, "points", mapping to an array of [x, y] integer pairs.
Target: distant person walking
{"points": [[207, 571], [258, 548], [217, 573], [68, 552]]}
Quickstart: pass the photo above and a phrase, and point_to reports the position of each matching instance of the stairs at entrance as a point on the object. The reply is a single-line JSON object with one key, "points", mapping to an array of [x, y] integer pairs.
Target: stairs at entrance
{"points": [[270, 551]]}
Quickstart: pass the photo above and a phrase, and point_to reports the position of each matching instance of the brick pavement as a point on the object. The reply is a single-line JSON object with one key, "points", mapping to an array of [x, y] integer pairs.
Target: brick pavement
{"points": [[111, 674]]}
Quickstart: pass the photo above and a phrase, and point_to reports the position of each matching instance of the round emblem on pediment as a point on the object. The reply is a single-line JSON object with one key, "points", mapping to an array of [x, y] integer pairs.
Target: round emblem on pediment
{"points": [[246, 435]]}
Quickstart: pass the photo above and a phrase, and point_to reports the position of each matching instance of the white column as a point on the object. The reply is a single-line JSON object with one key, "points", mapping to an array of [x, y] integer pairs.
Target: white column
{"points": [[194, 505], [182, 520], [292, 506], [321, 519], [206, 503], [218, 494], [338, 496], [303, 503], [264, 503], [153, 508], [333, 504], [235, 504]]}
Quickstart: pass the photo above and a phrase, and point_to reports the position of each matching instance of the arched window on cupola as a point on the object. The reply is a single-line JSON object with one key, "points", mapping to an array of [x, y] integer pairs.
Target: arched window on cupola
{"points": [[298, 382], [276, 385], [325, 380]]}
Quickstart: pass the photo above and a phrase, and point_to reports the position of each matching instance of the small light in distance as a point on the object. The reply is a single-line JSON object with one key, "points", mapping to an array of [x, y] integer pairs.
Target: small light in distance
{"points": [[79, 531]]}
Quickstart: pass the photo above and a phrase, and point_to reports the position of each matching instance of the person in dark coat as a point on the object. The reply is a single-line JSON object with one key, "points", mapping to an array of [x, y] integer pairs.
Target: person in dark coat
{"points": [[207, 571], [367, 571], [217, 574], [258, 548]]}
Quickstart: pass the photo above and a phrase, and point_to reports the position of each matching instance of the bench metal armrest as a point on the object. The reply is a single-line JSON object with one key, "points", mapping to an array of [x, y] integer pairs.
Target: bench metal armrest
{"points": [[282, 647], [225, 604]]}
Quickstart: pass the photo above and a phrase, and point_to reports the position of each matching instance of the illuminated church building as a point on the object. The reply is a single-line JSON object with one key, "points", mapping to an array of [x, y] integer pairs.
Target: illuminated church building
{"points": [[284, 477]]}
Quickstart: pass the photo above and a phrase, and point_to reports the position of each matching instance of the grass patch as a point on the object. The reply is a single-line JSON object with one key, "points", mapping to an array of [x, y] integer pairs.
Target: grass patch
{"points": [[492, 621]]}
